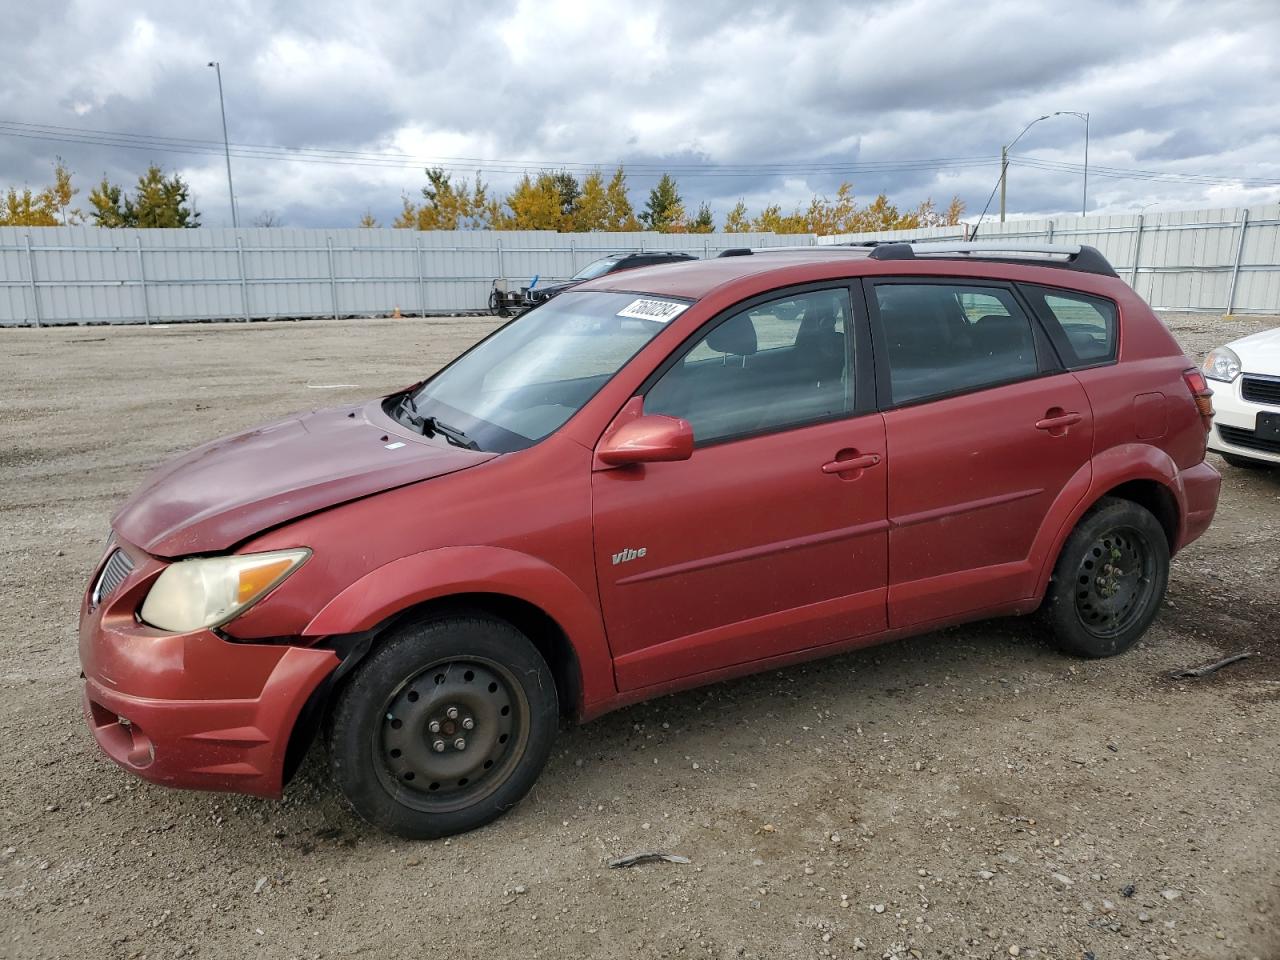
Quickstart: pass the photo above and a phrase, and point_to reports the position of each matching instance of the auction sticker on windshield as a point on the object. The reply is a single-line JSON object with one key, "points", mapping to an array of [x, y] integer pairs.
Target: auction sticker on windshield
{"points": [[659, 310]]}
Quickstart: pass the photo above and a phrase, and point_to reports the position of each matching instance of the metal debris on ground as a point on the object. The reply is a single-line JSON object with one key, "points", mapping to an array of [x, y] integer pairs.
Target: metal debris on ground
{"points": [[1195, 672], [650, 856]]}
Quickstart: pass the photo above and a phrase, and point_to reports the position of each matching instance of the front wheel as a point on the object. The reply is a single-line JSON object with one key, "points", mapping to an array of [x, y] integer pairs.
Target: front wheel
{"points": [[1109, 580], [444, 728]]}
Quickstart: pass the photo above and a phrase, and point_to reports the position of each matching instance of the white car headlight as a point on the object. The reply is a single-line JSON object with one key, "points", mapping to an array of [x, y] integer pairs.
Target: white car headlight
{"points": [[209, 591], [1222, 364]]}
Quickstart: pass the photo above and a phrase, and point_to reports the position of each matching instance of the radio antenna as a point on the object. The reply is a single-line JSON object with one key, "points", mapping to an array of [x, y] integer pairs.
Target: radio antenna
{"points": [[989, 199]]}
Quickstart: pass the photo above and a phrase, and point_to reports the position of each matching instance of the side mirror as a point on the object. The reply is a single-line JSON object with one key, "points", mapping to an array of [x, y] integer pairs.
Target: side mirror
{"points": [[648, 439]]}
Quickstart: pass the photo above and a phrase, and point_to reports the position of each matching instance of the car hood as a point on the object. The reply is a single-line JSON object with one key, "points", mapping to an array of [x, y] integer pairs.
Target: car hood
{"points": [[230, 489], [1260, 352]]}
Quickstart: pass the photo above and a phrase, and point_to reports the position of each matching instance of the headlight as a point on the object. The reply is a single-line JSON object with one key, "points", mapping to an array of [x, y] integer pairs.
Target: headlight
{"points": [[192, 594], [1222, 364]]}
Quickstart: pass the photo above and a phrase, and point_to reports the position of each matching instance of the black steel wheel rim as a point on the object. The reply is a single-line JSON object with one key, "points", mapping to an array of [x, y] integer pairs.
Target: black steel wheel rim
{"points": [[451, 734], [1114, 582]]}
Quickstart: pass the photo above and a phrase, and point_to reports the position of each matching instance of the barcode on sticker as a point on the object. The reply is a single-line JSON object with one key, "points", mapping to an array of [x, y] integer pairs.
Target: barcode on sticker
{"points": [[658, 310]]}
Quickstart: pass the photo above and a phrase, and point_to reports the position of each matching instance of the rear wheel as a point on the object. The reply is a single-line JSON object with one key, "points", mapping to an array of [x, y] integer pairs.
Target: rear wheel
{"points": [[444, 728], [1245, 463], [1109, 580]]}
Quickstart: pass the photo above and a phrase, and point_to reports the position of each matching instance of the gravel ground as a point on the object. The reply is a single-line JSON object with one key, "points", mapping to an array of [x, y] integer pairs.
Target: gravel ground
{"points": [[970, 793]]}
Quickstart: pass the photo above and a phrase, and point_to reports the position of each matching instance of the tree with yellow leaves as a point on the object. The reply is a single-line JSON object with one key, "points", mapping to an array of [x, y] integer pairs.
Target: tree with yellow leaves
{"points": [[537, 203], [591, 211], [447, 206], [51, 207], [737, 221], [621, 216]]}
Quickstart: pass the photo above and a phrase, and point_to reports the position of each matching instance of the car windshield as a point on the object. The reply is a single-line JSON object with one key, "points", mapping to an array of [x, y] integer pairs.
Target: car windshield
{"points": [[596, 268], [526, 380]]}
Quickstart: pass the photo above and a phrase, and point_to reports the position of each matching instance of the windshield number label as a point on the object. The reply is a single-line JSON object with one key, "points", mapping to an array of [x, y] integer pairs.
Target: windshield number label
{"points": [[660, 311]]}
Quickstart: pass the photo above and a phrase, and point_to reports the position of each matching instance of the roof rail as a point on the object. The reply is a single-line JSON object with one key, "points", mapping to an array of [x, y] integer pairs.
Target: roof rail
{"points": [[810, 248], [1070, 256]]}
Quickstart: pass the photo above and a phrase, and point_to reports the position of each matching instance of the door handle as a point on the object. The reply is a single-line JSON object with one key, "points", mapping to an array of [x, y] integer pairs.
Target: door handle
{"points": [[1059, 422], [853, 463]]}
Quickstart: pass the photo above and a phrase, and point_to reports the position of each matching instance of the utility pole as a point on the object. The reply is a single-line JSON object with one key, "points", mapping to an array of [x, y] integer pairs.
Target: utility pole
{"points": [[226, 144], [1004, 170]]}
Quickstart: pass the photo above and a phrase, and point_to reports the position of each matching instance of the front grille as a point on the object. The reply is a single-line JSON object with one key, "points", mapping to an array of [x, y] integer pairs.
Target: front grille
{"points": [[1247, 438], [1260, 389], [114, 572]]}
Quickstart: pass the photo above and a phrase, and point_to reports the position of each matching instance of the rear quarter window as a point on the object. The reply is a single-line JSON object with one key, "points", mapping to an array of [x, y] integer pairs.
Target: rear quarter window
{"points": [[1082, 327]]}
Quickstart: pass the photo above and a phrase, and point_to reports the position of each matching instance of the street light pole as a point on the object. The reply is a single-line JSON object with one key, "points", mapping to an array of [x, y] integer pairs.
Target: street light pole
{"points": [[1004, 160], [1084, 199], [226, 144]]}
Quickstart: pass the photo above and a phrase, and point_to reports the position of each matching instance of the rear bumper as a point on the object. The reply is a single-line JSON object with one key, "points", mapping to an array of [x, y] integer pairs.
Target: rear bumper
{"points": [[192, 710], [1200, 486]]}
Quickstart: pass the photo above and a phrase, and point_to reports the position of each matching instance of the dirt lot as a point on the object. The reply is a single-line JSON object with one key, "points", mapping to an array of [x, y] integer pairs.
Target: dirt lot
{"points": [[970, 793]]}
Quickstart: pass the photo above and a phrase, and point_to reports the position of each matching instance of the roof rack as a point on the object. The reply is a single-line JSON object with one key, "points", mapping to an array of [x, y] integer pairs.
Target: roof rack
{"points": [[1078, 257], [811, 248]]}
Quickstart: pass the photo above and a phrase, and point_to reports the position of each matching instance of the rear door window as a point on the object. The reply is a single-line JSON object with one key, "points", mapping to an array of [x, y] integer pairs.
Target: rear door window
{"points": [[1082, 327], [942, 339]]}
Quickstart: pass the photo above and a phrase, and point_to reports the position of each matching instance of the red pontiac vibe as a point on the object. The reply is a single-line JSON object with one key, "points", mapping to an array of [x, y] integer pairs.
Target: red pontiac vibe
{"points": [[658, 479]]}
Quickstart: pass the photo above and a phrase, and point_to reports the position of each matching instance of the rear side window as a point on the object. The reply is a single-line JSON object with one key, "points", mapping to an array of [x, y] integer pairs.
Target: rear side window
{"points": [[942, 339], [1083, 327]]}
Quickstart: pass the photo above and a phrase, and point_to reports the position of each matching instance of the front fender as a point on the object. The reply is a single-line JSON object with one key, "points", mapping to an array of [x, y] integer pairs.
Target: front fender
{"points": [[1106, 471], [449, 571]]}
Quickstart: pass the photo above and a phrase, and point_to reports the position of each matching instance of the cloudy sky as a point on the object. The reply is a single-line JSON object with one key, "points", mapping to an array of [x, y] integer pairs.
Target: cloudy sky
{"points": [[770, 102]]}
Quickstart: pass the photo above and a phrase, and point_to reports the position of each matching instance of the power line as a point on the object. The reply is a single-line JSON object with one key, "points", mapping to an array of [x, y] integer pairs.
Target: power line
{"points": [[191, 146], [640, 170], [1121, 173]]}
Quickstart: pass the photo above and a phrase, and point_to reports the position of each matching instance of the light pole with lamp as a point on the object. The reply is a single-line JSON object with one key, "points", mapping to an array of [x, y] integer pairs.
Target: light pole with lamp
{"points": [[1004, 159], [226, 144], [1084, 198]]}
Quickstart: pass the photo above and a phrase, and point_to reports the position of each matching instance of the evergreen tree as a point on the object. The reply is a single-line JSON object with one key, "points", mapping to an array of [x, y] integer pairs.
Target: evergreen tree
{"points": [[158, 201], [664, 210], [704, 222]]}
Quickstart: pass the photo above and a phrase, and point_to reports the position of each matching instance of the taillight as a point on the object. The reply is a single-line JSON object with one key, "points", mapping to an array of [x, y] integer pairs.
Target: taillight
{"points": [[1201, 393]]}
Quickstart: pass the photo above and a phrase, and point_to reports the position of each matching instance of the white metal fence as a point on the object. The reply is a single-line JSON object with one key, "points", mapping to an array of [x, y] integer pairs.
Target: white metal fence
{"points": [[1220, 260], [1206, 260], [58, 275]]}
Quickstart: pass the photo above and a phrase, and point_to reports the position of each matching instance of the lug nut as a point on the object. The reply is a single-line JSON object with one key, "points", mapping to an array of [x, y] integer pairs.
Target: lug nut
{"points": [[452, 713], [460, 744], [467, 723], [438, 746], [434, 726]]}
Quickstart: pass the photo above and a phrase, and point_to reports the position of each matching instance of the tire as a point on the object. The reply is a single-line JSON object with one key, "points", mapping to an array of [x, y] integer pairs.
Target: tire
{"points": [[1246, 463], [498, 304], [399, 775], [1109, 580]]}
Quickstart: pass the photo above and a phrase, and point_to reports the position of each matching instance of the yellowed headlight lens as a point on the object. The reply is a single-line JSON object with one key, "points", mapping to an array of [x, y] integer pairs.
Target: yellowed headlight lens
{"points": [[209, 591]]}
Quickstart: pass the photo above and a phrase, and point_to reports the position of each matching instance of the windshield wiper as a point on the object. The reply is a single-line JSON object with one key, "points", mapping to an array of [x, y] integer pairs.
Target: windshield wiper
{"points": [[433, 425], [452, 434]]}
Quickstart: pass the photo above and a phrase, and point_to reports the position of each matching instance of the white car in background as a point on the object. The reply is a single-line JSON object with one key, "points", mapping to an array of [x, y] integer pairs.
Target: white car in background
{"points": [[1246, 399]]}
